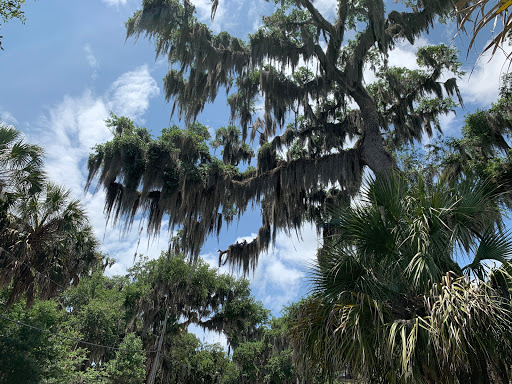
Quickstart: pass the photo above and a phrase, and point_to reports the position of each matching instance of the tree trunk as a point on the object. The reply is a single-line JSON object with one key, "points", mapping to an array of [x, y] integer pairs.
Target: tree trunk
{"points": [[373, 153]]}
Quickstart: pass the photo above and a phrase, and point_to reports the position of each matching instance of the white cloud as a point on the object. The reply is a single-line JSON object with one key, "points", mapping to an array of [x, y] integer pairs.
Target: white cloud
{"points": [[7, 118], [220, 22], [403, 55], [115, 3], [129, 95], [251, 237], [209, 337], [449, 123], [481, 83], [285, 277], [327, 8], [204, 8], [301, 251], [124, 247], [91, 60], [68, 132], [254, 14], [280, 275]]}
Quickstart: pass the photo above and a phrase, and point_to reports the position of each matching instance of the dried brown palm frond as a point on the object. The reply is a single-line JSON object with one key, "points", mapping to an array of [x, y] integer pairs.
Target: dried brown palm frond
{"points": [[485, 13]]}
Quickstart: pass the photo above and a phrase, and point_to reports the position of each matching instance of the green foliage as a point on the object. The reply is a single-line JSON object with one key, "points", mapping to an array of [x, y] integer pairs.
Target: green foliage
{"points": [[98, 300], [194, 293], [30, 356], [234, 150], [174, 168], [418, 111], [10, 9], [249, 357], [123, 317], [187, 360], [47, 233], [390, 301], [483, 150], [21, 164], [46, 241], [128, 367]]}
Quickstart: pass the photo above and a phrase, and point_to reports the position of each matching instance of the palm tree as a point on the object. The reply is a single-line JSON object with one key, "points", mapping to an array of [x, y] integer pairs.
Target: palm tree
{"points": [[390, 301], [46, 241], [20, 163]]}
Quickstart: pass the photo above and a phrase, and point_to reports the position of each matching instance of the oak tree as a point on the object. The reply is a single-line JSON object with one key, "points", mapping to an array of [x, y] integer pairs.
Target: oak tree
{"points": [[322, 125]]}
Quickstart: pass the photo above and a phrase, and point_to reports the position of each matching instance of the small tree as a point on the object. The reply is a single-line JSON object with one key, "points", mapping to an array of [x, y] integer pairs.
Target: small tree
{"points": [[128, 367]]}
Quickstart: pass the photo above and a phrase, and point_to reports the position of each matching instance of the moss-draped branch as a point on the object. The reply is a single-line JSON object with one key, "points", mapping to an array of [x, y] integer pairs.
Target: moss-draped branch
{"points": [[201, 192]]}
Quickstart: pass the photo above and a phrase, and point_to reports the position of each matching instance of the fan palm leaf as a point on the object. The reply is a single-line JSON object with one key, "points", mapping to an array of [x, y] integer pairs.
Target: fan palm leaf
{"points": [[390, 302]]}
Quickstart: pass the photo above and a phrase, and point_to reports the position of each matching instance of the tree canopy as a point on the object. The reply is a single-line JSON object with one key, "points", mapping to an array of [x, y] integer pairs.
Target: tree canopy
{"points": [[322, 124], [106, 330]]}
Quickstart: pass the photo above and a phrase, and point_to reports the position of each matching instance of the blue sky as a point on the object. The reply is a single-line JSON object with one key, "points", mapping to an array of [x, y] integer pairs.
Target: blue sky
{"points": [[69, 65]]}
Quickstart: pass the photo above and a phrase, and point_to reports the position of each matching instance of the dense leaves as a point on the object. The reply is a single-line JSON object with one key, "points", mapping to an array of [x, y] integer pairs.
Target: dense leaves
{"points": [[123, 319], [29, 356]]}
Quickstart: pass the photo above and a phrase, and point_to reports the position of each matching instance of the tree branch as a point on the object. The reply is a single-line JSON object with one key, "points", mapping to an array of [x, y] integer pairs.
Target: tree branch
{"points": [[317, 17]]}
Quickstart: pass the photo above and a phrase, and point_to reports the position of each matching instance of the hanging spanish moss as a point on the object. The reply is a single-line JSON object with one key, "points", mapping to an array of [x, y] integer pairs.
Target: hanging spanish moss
{"points": [[312, 145]]}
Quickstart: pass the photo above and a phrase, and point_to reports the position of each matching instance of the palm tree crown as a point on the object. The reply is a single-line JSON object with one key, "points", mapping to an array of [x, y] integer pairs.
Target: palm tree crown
{"points": [[46, 241], [390, 301]]}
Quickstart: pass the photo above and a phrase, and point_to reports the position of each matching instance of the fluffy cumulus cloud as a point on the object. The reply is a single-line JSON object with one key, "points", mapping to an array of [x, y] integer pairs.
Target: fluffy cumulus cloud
{"points": [[71, 128], [129, 95], [403, 55], [482, 81]]}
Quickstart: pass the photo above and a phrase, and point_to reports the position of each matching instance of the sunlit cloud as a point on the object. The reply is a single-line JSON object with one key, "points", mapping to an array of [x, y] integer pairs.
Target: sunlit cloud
{"points": [[482, 81], [70, 129]]}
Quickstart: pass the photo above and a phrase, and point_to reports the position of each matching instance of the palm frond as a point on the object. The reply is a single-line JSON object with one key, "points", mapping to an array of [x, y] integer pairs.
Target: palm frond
{"points": [[389, 301]]}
